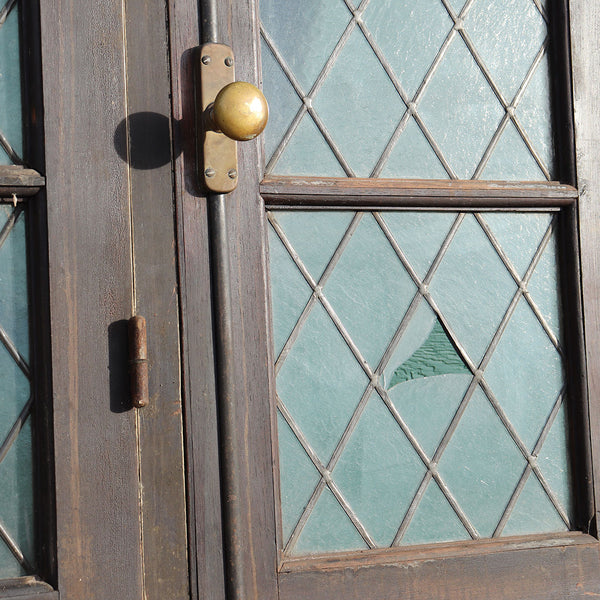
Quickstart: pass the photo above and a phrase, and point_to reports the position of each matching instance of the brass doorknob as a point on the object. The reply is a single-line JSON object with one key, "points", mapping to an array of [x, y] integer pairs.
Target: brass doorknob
{"points": [[240, 111]]}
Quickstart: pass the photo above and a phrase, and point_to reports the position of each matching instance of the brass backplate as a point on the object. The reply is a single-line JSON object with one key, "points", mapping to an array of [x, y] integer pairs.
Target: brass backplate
{"points": [[216, 70]]}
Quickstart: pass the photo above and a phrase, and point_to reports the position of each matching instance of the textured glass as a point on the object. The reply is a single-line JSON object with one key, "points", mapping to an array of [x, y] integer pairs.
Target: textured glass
{"points": [[408, 89], [420, 383], [10, 84], [16, 469]]}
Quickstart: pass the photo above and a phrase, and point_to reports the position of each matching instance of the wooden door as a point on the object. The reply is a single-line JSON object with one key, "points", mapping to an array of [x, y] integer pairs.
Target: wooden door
{"points": [[239, 337]]}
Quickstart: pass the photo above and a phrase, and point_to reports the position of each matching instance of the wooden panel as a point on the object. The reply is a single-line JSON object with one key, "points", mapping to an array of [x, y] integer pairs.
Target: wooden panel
{"points": [[385, 193], [204, 506], [164, 529], [585, 30], [90, 295], [559, 571]]}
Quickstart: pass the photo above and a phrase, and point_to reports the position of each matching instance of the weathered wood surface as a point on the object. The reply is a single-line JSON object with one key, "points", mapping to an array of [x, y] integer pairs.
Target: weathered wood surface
{"points": [[510, 571], [19, 180], [98, 512], [204, 499], [585, 31], [353, 192], [160, 424]]}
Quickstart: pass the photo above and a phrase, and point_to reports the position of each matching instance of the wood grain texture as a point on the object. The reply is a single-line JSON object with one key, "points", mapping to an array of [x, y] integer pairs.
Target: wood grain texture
{"points": [[585, 31], [204, 499], [160, 424], [90, 294], [245, 223], [19, 180], [562, 572], [386, 193]]}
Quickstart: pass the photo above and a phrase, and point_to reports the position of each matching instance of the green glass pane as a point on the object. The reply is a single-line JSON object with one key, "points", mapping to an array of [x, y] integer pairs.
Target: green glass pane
{"points": [[508, 35], [534, 512], [460, 109], [314, 239], [329, 529], [534, 112], [399, 28], [305, 33], [519, 236], [298, 478], [512, 160], [360, 112], [370, 290], [525, 374], [472, 288], [420, 236], [289, 290], [14, 392], [307, 153], [481, 465], [10, 84], [428, 401], [379, 472], [283, 101], [14, 313], [434, 520], [321, 383], [16, 500], [543, 287], [554, 462], [413, 157]]}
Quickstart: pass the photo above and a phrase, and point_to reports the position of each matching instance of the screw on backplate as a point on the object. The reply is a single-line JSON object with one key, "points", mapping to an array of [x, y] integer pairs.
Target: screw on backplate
{"points": [[229, 61], [210, 172], [205, 59], [232, 173]]}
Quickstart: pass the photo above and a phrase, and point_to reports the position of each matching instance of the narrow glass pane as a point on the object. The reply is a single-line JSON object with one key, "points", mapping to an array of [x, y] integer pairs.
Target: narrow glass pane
{"points": [[428, 89], [426, 404], [10, 84], [17, 550]]}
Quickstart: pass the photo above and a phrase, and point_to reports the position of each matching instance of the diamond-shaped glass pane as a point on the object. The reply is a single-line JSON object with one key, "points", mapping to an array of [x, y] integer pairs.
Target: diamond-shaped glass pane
{"points": [[409, 89], [10, 85], [379, 472], [16, 460], [423, 376]]}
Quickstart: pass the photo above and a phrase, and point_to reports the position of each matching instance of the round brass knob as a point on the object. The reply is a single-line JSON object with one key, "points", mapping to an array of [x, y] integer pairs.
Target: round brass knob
{"points": [[240, 111]]}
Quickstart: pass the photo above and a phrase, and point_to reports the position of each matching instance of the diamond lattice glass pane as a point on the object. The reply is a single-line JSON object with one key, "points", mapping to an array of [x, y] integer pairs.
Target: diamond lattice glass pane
{"points": [[299, 477], [507, 35], [290, 291], [321, 383], [13, 281], [399, 28], [474, 78], [481, 465], [473, 288], [10, 85], [460, 109], [365, 108], [379, 472], [16, 501], [329, 529], [534, 512], [370, 281], [425, 379], [16, 469], [525, 374], [519, 236], [425, 402], [434, 520]]}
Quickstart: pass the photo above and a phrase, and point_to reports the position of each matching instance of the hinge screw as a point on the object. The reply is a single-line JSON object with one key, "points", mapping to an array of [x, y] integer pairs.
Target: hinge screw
{"points": [[229, 61], [210, 172], [205, 59], [232, 173]]}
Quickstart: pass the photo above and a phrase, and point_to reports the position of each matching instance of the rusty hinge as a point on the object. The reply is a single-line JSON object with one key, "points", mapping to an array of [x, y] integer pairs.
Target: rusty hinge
{"points": [[138, 362]]}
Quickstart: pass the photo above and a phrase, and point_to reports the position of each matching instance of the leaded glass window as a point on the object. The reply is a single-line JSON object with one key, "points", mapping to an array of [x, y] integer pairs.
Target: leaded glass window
{"points": [[419, 356]]}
